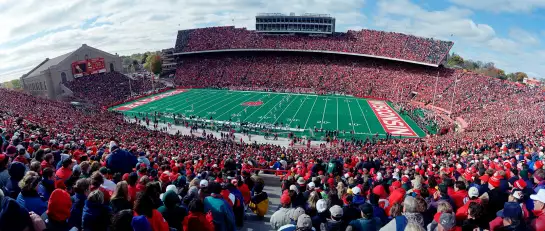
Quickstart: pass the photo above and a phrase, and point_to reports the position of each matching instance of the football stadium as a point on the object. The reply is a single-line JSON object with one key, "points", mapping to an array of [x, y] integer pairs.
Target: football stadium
{"points": [[302, 114], [293, 125]]}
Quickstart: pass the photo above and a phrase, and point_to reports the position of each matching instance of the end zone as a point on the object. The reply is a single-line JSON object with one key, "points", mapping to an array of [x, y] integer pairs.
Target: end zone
{"points": [[141, 102], [390, 120]]}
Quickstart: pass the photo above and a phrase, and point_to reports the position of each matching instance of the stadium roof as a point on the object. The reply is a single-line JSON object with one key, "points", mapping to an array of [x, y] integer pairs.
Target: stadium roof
{"points": [[47, 63]]}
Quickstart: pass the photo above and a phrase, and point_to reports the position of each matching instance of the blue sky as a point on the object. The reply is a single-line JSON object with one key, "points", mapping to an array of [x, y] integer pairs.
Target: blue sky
{"points": [[506, 32]]}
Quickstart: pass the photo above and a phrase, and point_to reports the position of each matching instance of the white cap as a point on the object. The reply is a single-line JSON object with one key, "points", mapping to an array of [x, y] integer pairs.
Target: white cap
{"points": [[203, 184], [311, 185], [473, 192], [356, 190], [294, 188], [321, 205], [540, 196]]}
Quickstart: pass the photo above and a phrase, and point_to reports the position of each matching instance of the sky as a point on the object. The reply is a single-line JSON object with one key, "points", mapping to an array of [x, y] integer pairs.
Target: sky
{"points": [[505, 32]]}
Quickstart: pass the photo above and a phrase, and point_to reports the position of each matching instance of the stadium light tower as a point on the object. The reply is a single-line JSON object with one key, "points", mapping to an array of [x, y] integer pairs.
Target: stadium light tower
{"points": [[457, 78]]}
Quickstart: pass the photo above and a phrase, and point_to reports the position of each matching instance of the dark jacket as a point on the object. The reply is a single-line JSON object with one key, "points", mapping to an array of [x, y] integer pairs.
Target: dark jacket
{"points": [[363, 224], [119, 204], [121, 161], [95, 216], [16, 171], [32, 201], [13, 216], [332, 225], [350, 213], [76, 212], [173, 213], [55, 225]]}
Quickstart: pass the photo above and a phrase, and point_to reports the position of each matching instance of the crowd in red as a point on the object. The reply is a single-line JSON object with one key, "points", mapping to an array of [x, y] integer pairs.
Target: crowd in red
{"points": [[370, 42], [111, 87], [63, 167]]}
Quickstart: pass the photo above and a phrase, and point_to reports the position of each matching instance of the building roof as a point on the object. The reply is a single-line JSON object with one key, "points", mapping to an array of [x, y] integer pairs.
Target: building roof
{"points": [[47, 63]]}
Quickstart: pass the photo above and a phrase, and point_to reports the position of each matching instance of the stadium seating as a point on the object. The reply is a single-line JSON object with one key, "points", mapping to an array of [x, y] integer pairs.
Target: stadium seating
{"points": [[485, 102], [108, 88], [370, 42]]}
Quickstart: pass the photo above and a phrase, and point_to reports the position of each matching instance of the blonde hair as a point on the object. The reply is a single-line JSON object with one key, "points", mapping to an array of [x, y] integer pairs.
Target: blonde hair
{"points": [[29, 181], [444, 207], [312, 200], [411, 226]]}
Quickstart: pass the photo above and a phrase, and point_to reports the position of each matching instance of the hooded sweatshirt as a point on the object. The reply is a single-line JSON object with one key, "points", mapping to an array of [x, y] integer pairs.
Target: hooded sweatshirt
{"points": [[96, 216], [173, 213]]}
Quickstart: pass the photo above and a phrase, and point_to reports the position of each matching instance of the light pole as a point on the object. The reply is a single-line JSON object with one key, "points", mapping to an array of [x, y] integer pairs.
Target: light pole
{"points": [[454, 90], [434, 93]]}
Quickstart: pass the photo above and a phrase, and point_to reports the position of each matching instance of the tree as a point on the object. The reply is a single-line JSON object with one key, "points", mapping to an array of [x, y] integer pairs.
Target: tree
{"points": [[154, 63], [455, 60], [520, 76], [16, 83], [144, 58]]}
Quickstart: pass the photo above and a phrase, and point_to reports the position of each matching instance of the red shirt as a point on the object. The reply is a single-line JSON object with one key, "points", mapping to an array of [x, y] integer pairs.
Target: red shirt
{"points": [[132, 193]]}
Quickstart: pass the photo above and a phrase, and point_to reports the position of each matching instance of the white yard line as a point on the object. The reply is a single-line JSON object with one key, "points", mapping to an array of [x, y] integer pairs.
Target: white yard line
{"points": [[269, 110], [351, 118], [183, 106], [171, 101], [284, 110], [236, 105], [310, 112], [363, 114], [222, 101], [301, 105], [323, 113]]}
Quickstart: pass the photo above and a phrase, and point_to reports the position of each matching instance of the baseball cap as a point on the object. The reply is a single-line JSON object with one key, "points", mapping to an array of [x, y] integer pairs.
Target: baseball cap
{"points": [[285, 199], [311, 185], [300, 180], [447, 221], [203, 184], [473, 192], [304, 221], [295, 214], [494, 181], [539, 196], [321, 206], [336, 211], [510, 210], [356, 190], [520, 184]]}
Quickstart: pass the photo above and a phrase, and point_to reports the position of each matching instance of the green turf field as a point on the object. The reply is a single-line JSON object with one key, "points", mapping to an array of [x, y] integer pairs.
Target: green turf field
{"points": [[299, 113]]}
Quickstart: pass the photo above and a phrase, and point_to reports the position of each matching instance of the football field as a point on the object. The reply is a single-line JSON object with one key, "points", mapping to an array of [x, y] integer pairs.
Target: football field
{"points": [[302, 114]]}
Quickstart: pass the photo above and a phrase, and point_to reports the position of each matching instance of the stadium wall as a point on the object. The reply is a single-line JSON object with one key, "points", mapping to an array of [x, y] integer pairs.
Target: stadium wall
{"points": [[51, 79]]}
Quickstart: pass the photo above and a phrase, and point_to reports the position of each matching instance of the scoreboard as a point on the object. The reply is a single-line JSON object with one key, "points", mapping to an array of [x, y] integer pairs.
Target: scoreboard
{"points": [[306, 23], [87, 67]]}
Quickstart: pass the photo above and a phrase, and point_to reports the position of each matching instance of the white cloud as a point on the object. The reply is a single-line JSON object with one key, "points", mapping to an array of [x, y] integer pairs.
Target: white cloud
{"points": [[133, 26], [473, 40], [502, 5], [523, 36]]}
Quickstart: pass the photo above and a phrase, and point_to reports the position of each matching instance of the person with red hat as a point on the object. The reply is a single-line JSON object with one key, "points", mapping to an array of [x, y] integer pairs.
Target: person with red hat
{"points": [[58, 211], [497, 195], [282, 216]]}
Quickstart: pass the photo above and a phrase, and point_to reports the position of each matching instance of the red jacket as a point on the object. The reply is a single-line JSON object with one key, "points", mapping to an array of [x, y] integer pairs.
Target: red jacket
{"points": [[156, 221], [539, 222], [458, 197], [198, 222], [461, 213], [246, 194]]}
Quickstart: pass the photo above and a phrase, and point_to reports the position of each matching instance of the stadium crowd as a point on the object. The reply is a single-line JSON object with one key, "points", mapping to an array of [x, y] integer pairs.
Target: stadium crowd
{"points": [[489, 105], [109, 88], [67, 168], [371, 42], [63, 167]]}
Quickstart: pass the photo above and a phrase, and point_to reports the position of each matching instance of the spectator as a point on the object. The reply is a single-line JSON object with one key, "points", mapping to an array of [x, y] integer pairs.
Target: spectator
{"points": [[144, 206], [81, 190], [224, 219], [367, 222], [539, 210], [120, 198], [282, 216], [172, 210], [96, 215], [197, 219], [58, 211]]}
